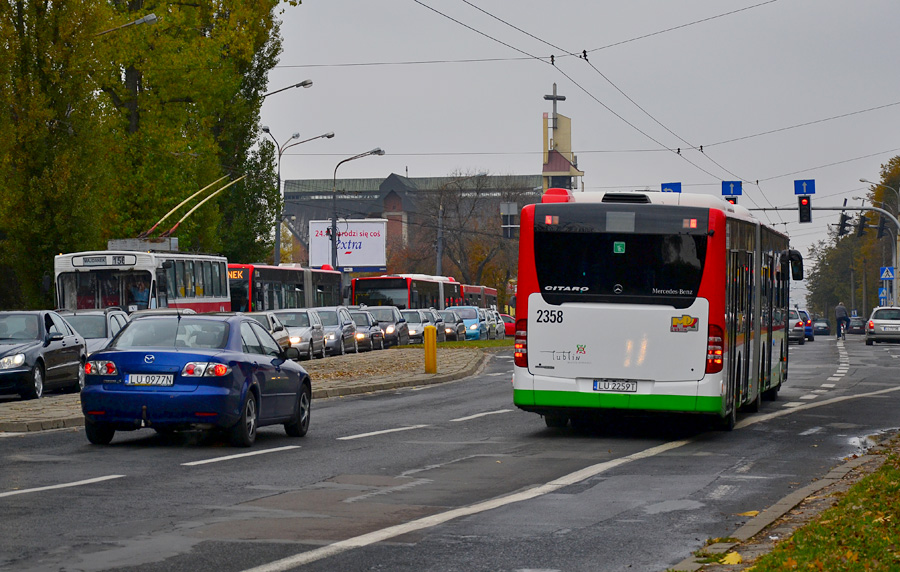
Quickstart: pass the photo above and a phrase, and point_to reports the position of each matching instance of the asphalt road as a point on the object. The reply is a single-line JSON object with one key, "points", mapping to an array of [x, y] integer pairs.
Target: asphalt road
{"points": [[444, 478]]}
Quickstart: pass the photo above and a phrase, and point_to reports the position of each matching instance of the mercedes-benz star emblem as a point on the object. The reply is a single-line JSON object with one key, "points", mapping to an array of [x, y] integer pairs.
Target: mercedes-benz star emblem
{"points": [[149, 358], [618, 289]]}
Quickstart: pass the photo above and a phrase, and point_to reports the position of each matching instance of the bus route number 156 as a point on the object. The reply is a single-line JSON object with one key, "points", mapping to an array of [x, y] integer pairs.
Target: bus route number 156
{"points": [[549, 316]]}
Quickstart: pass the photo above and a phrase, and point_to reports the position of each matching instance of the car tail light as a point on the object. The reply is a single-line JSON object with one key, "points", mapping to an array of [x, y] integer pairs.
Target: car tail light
{"points": [[520, 354], [715, 349], [100, 368], [808, 322], [799, 324], [871, 324], [205, 369]]}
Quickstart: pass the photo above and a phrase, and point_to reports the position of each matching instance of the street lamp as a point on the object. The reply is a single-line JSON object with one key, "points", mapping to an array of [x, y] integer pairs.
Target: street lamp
{"points": [[304, 83], [375, 151], [281, 149], [896, 237], [148, 19]]}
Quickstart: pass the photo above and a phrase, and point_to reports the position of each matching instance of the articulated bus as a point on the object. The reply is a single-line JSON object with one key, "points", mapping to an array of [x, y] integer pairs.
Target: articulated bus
{"points": [[136, 280], [407, 291], [259, 287], [649, 301], [481, 296]]}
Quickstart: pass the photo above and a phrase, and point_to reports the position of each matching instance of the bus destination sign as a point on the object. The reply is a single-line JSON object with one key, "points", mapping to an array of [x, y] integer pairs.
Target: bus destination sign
{"points": [[105, 260]]}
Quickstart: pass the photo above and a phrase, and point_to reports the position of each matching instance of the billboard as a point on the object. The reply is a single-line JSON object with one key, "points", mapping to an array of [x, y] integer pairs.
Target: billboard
{"points": [[360, 248]]}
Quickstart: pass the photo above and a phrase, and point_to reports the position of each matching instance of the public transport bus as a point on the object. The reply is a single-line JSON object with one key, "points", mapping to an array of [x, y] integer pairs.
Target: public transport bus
{"points": [[282, 287], [137, 280], [481, 296], [649, 301], [407, 291]]}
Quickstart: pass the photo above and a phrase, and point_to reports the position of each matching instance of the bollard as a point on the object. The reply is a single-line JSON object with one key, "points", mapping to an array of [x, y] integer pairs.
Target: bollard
{"points": [[430, 341]]}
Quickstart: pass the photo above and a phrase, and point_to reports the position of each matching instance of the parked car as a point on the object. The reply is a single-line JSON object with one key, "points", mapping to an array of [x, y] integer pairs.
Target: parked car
{"points": [[340, 330], [396, 330], [454, 326], [39, 350], [807, 325], [97, 327], [857, 325], [476, 328], [509, 325], [269, 320], [821, 327], [195, 372], [490, 322], [416, 321], [369, 335], [796, 327], [884, 325], [499, 327], [305, 330], [434, 319]]}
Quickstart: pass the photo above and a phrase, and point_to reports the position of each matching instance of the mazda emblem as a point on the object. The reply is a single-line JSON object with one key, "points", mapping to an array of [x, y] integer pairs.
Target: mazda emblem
{"points": [[149, 358], [618, 289]]}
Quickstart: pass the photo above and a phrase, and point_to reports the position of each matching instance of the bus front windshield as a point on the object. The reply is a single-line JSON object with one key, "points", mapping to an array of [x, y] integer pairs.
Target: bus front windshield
{"points": [[382, 292], [635, 254], [104, 289]]}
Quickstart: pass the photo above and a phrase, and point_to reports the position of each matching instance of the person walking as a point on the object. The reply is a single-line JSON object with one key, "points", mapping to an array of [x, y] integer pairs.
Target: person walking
{"points": [[842, 319]]}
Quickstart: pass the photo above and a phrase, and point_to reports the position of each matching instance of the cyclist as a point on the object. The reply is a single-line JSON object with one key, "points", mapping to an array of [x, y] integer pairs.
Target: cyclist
{"points": [[842, 319]]}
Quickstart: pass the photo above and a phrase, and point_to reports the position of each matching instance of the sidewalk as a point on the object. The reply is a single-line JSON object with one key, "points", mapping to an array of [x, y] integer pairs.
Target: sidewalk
{"points": [[331, 377]]}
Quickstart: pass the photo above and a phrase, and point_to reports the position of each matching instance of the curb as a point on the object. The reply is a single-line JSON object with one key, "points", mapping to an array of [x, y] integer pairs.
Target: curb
{"points": [[771, 514]]}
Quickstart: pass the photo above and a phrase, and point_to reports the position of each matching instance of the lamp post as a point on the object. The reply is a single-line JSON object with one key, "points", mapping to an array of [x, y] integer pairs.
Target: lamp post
{"points": [[375, 151], [148, 19], [304, 83], [281, 149], [439, 263]]}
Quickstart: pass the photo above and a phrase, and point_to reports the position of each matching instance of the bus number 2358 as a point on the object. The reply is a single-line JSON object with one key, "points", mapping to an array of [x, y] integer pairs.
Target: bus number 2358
{"points": [[549, 316]]}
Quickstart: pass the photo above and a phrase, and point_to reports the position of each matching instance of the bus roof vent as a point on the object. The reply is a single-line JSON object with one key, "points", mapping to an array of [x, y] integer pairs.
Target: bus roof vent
{"points": [[626, 198]]}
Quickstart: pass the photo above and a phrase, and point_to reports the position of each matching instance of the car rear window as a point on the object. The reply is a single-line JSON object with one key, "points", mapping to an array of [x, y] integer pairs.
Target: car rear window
{"points": [[294, 319], [171, 332], [886, 314]]}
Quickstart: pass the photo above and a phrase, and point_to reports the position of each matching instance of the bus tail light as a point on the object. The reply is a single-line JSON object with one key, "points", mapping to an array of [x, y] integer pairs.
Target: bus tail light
{"points": [[715, 349], [520, 354]]}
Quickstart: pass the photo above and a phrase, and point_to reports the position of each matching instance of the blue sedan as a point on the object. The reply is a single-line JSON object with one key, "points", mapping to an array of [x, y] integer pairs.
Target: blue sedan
{"points": [[172, 373]]}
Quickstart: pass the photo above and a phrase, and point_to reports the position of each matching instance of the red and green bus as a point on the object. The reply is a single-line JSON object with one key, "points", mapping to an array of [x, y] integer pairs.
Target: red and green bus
{"points": [[649, 301], [260, 287]]}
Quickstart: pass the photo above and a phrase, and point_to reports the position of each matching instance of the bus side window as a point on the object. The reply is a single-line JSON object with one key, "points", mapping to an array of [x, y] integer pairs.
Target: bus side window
{"points": [[189, 278], [179, 278], [198, 279]]}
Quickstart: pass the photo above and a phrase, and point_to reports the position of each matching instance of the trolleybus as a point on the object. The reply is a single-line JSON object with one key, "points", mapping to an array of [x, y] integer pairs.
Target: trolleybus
{"points": [[411, 291], [136, 280], [481, 296], [649, 301], [259, 287]]}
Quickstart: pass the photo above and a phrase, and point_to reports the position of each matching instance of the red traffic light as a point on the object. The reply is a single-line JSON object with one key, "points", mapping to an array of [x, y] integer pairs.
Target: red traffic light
{"points": [[804, 201]]}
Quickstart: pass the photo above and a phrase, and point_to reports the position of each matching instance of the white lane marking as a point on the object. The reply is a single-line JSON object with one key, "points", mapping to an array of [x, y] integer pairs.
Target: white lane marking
{"points": [[835, 378], [793, 404], [62, 486], [496, 374], [745, 468], [820, 391], [808, 396], [811, 431], [720, 492], [477, 415], [828, 385], [804, 406], [239, 456], [373, 433], [440, 518]]}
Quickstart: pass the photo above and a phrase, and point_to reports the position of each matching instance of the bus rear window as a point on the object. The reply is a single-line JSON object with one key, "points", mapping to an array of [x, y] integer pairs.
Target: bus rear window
{"points": [[617, 254]]}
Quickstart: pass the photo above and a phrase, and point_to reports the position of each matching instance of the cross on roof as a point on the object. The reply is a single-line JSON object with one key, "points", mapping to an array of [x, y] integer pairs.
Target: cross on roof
{"points": [[554, 98]]}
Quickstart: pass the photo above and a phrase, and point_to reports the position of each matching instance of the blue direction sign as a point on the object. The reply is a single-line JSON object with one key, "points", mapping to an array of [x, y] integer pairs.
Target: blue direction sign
{"points": [[731, 188], [671, 187], [887, 272], [805, 187]]}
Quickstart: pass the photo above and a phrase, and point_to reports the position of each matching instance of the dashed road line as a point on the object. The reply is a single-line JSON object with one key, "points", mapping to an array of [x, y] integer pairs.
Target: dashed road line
{"points": [[239, 456], [374, 433], [477, 415], [62, 485]]}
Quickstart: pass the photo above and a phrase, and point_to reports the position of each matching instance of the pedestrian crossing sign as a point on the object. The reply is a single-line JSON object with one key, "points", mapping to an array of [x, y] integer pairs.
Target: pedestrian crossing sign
{"points": [[887, 273]]}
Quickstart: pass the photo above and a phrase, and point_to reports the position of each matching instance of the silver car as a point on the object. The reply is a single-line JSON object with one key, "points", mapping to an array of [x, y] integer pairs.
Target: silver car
{"points": [[796, 327], [305, 329], [883, 325]]}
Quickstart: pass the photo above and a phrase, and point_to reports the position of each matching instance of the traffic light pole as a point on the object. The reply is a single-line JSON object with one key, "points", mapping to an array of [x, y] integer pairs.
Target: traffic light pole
{"points": [[876, 209]]}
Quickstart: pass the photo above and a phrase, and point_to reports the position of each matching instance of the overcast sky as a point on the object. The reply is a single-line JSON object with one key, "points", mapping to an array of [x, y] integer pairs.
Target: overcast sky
{"points": [[462, 91]]}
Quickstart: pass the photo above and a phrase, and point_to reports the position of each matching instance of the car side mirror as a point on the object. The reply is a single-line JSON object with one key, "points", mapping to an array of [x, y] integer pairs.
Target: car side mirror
{"points": [[278, 328], [54, 337], [292, 353]]}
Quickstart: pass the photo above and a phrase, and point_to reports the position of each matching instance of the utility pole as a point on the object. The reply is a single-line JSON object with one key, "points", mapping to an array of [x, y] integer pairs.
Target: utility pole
{"points": [[439, 268]]}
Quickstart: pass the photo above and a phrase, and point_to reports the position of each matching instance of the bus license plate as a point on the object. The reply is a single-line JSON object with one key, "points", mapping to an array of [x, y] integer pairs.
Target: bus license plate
{"points": [[619, 385], [149, 379]]}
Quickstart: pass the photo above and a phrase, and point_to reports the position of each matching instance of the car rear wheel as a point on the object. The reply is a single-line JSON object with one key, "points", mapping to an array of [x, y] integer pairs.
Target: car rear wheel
{"points": [[35, 389], [98, 433], [299, 425], [243, 433], [869, 342]]}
